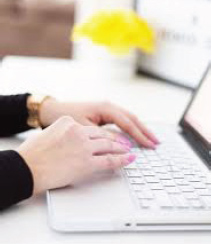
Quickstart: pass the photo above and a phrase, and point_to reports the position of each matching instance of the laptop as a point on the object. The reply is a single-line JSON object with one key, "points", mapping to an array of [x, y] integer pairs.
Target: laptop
{"points": [[164, 189]]}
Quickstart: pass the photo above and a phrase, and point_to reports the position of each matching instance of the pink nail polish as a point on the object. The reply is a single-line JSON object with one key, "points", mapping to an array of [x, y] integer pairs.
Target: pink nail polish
{"points": [[130, 159]]}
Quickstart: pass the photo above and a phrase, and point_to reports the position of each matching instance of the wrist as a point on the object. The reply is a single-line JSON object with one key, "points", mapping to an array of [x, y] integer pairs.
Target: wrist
{"points": [[34, 106], [38, 186], [47, 111]]}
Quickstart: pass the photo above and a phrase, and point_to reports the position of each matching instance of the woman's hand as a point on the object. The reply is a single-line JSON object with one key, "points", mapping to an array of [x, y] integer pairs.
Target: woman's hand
{"points": [[67, 153], [99, 114]]}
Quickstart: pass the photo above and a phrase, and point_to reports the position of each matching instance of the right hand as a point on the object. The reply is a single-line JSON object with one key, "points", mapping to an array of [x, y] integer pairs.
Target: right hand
{"points": [[66, 153]]}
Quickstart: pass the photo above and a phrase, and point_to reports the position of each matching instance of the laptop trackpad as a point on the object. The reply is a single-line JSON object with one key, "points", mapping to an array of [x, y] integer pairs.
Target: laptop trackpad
{"points": [[105, 197]]}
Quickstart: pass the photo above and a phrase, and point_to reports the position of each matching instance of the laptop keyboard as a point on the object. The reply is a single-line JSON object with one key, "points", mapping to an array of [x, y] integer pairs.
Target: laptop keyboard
{"points": [[168, 178]]}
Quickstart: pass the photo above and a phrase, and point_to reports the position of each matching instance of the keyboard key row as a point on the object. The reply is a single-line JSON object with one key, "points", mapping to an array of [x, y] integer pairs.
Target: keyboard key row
{"points": [[167, 178]]}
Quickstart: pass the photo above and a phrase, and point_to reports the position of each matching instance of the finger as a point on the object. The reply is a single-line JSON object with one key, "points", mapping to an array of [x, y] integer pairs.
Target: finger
{"points": [[119, 137], [125, 123], [141, 126], [103, 146], [95, 132], [87, 122], [109, 161]]}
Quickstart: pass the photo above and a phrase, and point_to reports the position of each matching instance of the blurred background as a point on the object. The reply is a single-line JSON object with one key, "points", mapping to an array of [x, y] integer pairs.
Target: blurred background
{"points": [[42, 28], [36, 27]]}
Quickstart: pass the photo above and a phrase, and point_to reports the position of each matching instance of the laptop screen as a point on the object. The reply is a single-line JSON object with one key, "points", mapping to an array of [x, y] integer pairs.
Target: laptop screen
{"points": [[197, 118], [199, 114]]}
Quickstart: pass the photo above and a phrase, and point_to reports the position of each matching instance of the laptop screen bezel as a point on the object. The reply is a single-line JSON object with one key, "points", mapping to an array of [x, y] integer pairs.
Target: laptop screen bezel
{"points": [[199, 143]]}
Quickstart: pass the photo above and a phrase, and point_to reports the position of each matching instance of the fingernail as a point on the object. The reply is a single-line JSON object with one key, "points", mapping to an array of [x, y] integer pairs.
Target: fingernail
{"points": [[152, 145], [130, 159], [156, 141], [124, 141]]}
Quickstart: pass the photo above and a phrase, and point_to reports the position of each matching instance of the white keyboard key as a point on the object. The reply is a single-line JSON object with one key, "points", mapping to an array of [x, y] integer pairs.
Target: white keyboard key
{"points": [[198, 185], [152, 158], [164, 176], [156, 186], [178, 175], [188, 171], [155, 163], [148, 173], [181, 182], [133, 173], [151, 179], [163, 199], [179, 201], [196, 169], [168, 183], [173, 190], [168, 168], [136, 187], [165, 157], [136, 180], [144, 167], [131, 166], [178, 161], [201, 174], [193, 178], [174, 169], [147, 203], [142, 161], [203, 192], [145, 195], [191, 195], [206, 200], [186, 189], [160, 170], [208, 181], [196, 204]]}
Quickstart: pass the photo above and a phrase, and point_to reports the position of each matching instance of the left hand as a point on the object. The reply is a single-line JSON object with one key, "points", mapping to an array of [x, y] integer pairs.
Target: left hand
{"points": [[98, 114]]}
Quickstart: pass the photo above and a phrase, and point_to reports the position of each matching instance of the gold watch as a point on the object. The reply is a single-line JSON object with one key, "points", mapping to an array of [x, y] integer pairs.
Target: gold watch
{"points": [[34, 103]]}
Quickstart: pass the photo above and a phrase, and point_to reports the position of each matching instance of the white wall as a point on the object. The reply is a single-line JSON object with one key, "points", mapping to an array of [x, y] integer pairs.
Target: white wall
{"points": [[87, 7]]}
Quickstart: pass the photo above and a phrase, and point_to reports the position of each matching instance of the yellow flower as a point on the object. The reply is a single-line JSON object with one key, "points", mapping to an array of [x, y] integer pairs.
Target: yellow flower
{"points": [[118, 30]]}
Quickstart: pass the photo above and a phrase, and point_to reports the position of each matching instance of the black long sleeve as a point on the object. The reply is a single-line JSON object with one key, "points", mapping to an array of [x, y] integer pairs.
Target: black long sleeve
{"points": [[16, 181], [13, 114]]}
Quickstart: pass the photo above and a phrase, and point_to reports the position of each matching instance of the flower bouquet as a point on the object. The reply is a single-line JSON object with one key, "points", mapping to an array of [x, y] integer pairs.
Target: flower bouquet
{"points": [[114, 35]]}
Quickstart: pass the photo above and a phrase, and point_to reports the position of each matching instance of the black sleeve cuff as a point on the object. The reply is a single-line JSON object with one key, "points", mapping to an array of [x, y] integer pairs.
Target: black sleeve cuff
{"points": [[16, 181], [13, 114]]}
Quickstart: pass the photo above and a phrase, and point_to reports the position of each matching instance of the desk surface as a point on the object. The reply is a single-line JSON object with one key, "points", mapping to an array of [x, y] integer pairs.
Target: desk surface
{"points": [[68, 80]]}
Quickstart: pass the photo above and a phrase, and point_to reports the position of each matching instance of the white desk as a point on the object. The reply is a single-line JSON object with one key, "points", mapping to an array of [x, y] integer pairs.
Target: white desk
{"points": [[151, 100]]}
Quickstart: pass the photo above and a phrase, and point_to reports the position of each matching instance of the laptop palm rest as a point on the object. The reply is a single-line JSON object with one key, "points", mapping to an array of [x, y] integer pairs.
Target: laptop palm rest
{"points": [[104, 201]]}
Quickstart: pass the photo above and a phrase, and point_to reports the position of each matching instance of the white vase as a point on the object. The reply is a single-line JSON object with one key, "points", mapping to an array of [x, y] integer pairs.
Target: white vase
{"points": [[106, 64], [109, 65]]}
